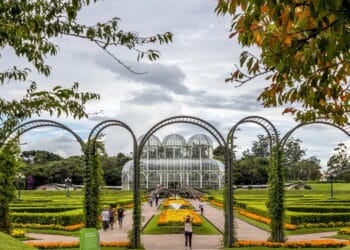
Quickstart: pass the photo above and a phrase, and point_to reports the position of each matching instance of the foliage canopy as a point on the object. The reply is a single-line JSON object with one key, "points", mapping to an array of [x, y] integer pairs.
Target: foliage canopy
{"points": [[304, 54]]}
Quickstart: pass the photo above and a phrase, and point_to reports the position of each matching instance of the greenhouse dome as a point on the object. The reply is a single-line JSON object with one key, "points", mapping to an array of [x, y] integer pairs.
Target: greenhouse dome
{"points": [[175, 163]]}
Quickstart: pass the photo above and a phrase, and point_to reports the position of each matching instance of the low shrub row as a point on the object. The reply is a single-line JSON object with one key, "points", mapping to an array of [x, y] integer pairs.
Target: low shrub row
{"points": [[319, 209], [300, 218], [44, 209], [296, 244], [71, 228], [54, 245], [62, 218]]}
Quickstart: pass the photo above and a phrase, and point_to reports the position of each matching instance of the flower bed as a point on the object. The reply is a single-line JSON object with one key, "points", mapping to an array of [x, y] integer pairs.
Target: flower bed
{"points": [[215, 203], [74, 227], [176, 217], [17, 233], [344, 231], [181, 202], [262, 219], [50, 245], [296, 244]]}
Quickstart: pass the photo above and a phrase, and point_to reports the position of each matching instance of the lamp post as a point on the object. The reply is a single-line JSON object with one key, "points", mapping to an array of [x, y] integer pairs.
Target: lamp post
{"points": [[20, 179], [68, 183], [332, 192]]}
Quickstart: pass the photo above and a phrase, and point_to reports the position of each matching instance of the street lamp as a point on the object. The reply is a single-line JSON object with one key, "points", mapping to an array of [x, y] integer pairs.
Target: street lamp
{"points": [[68, 183], [332, 192], [20, 183]]}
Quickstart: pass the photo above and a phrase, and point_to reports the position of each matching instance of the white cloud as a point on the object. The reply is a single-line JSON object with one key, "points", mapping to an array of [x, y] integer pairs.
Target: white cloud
{"points": [[187, 80]]}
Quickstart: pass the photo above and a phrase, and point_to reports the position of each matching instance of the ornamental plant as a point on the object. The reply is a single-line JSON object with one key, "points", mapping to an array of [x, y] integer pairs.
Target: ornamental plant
{"points": [[71, 228], [291, 244], [177, 217], [54, 245], [263, 219], [182, 202], [18, 233]]}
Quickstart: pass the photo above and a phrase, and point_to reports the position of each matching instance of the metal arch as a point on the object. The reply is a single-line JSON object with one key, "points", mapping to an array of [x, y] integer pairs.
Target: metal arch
{"points": [[184, 119], [263, 122], [345, 129], [271, 131], [213, 131], [95, 132], [24, 127]]}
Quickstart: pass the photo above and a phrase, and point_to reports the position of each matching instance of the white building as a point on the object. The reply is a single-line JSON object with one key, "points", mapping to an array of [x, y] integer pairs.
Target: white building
{"points": [[176, 163]]}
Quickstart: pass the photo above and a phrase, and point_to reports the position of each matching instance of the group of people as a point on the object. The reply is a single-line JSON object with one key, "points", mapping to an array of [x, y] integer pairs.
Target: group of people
{"points": [[153, 198], [108, 215]]}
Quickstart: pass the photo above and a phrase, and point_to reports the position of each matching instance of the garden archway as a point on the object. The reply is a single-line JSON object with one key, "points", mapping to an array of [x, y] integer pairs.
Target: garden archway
{"points": [[276, 190], [228, 234], [345, 130], [91, 151], [27, 126]]}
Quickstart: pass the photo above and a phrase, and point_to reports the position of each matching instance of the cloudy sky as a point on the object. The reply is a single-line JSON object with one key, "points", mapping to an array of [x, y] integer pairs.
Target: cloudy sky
{"points": [[187, 80]]}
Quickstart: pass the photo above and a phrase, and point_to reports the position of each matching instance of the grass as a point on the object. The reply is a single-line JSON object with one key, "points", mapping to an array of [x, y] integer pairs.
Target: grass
{"points": [[9, 243], [152, 228]]}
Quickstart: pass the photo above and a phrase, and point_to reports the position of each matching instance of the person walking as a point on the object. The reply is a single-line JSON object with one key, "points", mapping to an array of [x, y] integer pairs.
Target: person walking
{"points": [[111, 217], [188, 231], [105, 219], [201, 207], [157, 199], [121, 214]]}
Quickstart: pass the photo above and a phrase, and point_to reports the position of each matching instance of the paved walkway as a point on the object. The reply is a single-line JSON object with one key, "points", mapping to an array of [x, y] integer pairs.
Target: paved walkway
{"points": [[245, 231]]}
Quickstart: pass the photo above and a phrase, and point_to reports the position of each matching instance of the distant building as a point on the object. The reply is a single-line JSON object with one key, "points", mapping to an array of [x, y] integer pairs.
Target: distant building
{"points": [[174, 163]]}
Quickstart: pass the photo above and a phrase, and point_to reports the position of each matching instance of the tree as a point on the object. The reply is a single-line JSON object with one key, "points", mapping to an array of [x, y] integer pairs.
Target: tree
{"points": [[112, 168], [303, 52], [310, 169], [292, 155], [8, 166], [261, 147], [339, 162], [29, 29]]}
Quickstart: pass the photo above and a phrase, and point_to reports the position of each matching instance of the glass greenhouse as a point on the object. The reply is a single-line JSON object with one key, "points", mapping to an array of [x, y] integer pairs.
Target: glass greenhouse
{"points": [[175, 163]]}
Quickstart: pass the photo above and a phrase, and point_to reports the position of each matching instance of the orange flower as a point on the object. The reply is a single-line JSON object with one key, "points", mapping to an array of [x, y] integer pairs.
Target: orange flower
{"points": [[295, 244], [263, 219], [176, 217], [215, 203], [50, 245]]}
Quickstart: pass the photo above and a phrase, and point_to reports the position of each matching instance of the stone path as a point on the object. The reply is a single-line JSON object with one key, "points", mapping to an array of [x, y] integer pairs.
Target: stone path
{"points": [[245, 231]]}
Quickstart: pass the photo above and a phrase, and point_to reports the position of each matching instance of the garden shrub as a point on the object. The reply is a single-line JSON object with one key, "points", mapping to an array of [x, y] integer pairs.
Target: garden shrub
{"points": [[319, 209], [63, 218], [43, 209], [300, 218]]}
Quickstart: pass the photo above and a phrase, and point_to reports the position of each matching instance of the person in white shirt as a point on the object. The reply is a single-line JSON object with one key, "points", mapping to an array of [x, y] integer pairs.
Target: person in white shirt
{"points": [[105, 219], [188, 231]]}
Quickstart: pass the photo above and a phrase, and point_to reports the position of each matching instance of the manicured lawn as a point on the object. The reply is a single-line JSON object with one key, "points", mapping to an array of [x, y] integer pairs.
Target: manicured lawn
{"points": [[9, 243], [311, 208], [152, 228]]}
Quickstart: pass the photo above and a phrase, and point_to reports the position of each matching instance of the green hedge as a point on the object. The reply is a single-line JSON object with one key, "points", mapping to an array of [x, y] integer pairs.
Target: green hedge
{"points": [[300, 218], [319, 209], [62, 218], [42, 209]]}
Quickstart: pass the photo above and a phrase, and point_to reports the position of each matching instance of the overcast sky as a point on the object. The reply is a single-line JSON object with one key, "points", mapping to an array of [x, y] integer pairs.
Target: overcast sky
{"points": [[187, 80]]}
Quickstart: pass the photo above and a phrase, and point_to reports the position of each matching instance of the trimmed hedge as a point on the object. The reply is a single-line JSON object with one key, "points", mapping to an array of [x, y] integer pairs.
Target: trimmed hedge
{"points": [[63, 218], [42, 209], [300, 218], [319, 209]]}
